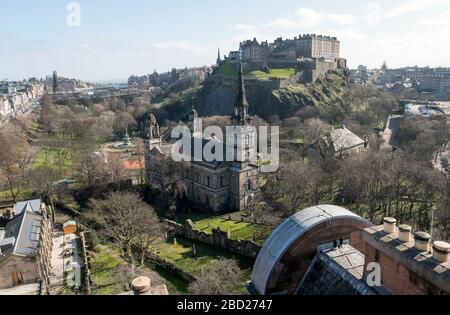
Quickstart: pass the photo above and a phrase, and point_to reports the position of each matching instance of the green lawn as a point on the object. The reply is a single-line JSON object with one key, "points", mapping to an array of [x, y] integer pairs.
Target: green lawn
{"points": [[23, 195], [273, 73], [182, 255], [239, 230], [51, 157], [102, 267]]}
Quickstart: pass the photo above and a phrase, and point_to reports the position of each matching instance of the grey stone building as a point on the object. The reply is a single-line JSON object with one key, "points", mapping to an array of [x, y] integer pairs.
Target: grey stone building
{"points": [[218, 185]]}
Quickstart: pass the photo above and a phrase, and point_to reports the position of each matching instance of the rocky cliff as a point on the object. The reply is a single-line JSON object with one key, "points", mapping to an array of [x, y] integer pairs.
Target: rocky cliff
{"points": [[267, 98]]}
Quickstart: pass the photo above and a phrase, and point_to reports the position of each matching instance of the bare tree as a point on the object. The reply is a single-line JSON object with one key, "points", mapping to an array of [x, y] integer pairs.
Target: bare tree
{"points": [[127, 220], [221, 277]]}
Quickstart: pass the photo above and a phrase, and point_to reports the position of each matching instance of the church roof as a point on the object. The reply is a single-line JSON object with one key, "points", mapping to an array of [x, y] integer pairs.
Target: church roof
{"points": [[287, 233]]}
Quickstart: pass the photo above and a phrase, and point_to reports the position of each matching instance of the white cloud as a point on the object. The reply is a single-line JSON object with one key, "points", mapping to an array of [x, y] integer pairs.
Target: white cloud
{"points": [[412, 6], [375, 13], [308, 17], [178, 45], [305, 18]]}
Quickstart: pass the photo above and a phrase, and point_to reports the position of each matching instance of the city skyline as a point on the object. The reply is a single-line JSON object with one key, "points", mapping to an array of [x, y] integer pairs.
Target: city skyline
{"points": [[115, 40]]}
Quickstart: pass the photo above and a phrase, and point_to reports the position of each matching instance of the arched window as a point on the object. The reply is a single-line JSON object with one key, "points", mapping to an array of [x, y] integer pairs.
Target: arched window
{"points": [[208, 181], [249, 185]]}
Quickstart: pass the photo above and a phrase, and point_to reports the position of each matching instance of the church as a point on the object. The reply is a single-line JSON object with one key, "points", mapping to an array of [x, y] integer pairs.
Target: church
{"points": [[217, 186]]}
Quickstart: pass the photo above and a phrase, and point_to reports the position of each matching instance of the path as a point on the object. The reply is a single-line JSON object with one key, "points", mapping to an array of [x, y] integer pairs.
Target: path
{"points": [[389, 135], [57, 264]]}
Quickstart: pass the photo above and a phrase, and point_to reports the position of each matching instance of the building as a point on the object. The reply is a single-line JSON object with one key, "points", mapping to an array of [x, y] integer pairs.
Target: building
{"points": [[328, 250], [305, 46], [339, 142], [25, 248], [218, 185], [433, 82]]}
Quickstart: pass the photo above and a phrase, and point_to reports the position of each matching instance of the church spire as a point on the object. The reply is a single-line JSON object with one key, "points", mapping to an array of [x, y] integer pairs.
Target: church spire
{"points": [[219, 59], [241, 105]]}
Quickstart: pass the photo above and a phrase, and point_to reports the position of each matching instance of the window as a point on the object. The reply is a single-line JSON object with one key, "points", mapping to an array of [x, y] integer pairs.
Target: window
{"points": [[221, 181], [33, 232], [208, 181], [249, 185]]}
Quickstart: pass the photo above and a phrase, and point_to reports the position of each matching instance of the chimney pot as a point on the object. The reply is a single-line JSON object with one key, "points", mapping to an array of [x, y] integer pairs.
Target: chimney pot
{"points": [[141, 285], [422, 241], [389, 225], [441, 251], [404, 233]]}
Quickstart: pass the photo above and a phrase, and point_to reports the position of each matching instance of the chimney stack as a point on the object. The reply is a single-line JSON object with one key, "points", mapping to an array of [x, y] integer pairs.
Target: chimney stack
{"points": [[404, 233], [389, 225], [441, 251], [141, 285], [422, 241]]}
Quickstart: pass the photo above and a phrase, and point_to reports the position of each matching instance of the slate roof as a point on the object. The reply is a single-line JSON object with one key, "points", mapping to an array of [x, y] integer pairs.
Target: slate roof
{"points": [[22, 235], [287, 233], [336, 271], [29, 205], [343, 139]]}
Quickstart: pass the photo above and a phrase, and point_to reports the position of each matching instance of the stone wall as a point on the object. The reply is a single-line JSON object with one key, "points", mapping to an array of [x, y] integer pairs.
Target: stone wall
{"points": [[169, 267], [218, 238]]}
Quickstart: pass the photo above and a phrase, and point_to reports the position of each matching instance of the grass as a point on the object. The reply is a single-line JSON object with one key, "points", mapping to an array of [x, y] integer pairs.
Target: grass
{"points": [[102, 266], [23, 195], [227, 70], [175, 285], [182, 255], [51, 158], [239, 230], [273, 73]]}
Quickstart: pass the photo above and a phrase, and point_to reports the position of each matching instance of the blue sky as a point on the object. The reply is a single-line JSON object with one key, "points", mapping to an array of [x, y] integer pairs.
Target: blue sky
{"points": [[119, 38]]}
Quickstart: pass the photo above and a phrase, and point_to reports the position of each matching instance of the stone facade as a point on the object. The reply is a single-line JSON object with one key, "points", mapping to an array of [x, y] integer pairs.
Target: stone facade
{"points": [[215, 186], [16, 96], [305, 46]]}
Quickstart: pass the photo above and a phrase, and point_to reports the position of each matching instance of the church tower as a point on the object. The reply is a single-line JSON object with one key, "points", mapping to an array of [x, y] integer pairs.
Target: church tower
{"points": [[244, 182]]}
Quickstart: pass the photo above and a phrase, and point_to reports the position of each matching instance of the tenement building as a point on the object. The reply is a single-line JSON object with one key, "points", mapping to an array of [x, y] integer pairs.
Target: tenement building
{"points": [[328, 250], [212, 185], [25, 250]]}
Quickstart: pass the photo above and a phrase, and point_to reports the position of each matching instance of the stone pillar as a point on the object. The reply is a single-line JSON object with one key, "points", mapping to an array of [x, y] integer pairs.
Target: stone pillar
{"points": [[141, 285]]}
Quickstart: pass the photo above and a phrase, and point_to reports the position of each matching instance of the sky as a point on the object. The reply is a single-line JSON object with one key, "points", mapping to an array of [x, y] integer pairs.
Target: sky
{"points": [[116, 38]]}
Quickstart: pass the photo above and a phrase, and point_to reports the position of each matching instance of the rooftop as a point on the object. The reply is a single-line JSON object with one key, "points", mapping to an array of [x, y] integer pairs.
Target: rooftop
{"points": [[336, 271], [421, 263], [21, 235], [29, 205], [287, 233], [343, 139]]}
